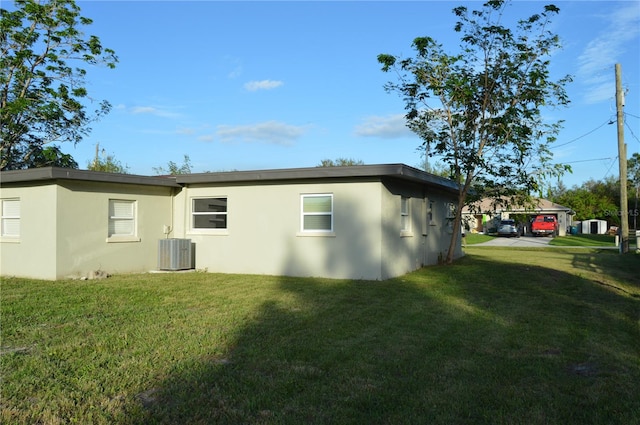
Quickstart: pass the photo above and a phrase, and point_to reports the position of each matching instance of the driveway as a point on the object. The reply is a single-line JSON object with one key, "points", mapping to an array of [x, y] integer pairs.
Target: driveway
{"points": [[523, 241]]}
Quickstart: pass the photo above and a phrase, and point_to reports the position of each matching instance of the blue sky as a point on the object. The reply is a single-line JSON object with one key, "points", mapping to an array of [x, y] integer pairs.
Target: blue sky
{"points": [[256, 85]]}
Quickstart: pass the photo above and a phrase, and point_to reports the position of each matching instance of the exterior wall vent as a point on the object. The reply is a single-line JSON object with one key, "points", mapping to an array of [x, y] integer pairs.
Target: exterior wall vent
{"points": [[174, 254]]}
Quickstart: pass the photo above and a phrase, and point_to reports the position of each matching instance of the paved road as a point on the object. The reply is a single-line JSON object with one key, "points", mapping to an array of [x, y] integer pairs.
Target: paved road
{"points": [[523, 241]]}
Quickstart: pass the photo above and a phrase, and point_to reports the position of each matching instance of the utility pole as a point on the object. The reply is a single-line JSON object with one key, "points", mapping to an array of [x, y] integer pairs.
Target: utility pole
{"points": [[622, 158]]}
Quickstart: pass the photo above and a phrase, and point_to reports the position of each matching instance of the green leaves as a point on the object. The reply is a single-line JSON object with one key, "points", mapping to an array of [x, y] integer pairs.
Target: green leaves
{"points": [[42, 87], [480, 108]]}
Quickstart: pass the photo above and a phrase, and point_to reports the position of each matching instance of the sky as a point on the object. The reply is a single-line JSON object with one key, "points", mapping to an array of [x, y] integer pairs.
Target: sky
{"points": [[261, 85]]}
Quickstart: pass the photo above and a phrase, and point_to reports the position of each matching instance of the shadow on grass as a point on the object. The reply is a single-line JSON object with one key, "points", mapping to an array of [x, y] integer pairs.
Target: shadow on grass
{"points": [[443, 345]]}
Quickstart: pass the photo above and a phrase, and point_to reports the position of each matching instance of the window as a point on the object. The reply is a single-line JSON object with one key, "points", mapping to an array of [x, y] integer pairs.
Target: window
{"points": [[122, 218], [451, 210], [209, 213], [405, 218], [317, 213], [430, 214], [10, 218]]}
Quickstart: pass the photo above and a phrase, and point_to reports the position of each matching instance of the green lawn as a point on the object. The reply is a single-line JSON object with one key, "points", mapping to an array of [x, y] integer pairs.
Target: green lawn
{"points": [[476, 238], [504, 336], [584, 240]]}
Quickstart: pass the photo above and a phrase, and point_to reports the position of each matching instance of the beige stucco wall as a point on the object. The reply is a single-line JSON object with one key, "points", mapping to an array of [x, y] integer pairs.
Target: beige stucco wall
{"points": [[427, 241], [82, 221], [264, 234], [64, 230], [264, 237], [33, 253]]}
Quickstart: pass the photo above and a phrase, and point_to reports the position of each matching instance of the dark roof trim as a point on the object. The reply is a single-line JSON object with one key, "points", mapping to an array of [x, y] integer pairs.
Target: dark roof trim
{"points": [[399, 171], [54, 173]]}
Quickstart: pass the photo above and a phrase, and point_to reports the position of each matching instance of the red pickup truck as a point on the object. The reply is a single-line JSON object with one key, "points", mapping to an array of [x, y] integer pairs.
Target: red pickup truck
{"points": [[544, 225]]}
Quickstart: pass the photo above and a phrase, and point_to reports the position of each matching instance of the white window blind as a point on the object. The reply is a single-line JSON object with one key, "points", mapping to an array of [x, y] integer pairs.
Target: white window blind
{"points": [[317, 213], [121, 218], [10, 218]]}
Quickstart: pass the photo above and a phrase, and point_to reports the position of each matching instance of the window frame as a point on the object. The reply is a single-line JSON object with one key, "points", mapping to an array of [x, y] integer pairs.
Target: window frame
{"points": [[303, 214], [113, 218], [4, 218], [405, 216], [208, 230], [431, 212]]}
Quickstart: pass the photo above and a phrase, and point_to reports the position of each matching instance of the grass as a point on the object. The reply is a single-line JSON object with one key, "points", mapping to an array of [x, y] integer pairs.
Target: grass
{"points": [[583, 240], [589, 240], [504, 336], [476, 238]]}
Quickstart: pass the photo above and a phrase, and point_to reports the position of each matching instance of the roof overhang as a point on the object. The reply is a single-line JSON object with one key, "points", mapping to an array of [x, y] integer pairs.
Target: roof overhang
{"points": [[53, 173], [397, 171], [347, 173]]}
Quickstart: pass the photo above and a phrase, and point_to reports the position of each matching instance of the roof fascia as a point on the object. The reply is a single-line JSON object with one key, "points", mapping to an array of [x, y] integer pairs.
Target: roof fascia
{"points": [[55, 173], [399, 171]]}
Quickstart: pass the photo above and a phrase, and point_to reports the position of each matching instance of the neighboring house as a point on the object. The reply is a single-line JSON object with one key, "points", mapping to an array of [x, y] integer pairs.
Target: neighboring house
{"points": [[484, 214], [358, 222]]}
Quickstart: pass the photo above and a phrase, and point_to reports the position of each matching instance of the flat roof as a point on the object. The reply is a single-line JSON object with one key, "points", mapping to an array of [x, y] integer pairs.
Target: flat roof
{"points": [[55, 173], [396, 171], [399, 171]]}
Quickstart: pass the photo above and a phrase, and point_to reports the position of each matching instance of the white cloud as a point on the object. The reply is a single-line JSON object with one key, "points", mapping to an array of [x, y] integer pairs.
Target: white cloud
{"points": [[597, 59], [262, 85], [152, 110], [267, 132], [205, 138], [186, 131], [389, 127]]}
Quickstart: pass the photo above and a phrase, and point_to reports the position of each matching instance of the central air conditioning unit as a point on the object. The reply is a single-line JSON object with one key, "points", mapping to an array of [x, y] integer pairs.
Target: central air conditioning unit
{"points": [[174, 254]]}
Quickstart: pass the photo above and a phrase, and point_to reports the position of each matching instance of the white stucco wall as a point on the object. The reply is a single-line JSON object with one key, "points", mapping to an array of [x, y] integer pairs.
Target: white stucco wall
{"points": [[33, 254], [82, 221], [64, 229], [264, 231]]}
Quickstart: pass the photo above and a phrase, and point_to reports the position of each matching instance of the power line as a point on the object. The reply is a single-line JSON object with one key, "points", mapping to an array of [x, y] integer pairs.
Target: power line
{"points": [[631, 131], [588, 160], [609, 169], [584, 135], [631, 115]]}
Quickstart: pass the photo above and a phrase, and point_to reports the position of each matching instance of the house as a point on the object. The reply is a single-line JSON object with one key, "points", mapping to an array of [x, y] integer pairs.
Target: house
{"points": [[482, 216], [358, 222]]}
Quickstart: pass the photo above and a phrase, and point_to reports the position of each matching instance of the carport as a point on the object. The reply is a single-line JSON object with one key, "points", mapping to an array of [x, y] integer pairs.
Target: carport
{"points": [[480, 215]]}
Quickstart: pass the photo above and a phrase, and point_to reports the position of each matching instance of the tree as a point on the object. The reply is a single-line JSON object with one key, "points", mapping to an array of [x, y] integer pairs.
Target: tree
{"points": [[340, 162], [593, 199], [175, 169], [43, 98], [437, 168], [106, 162], [480, 109]]}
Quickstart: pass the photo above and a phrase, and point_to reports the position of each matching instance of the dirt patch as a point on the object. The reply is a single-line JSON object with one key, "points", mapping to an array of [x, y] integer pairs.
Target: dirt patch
{"points": [[148, 398]]}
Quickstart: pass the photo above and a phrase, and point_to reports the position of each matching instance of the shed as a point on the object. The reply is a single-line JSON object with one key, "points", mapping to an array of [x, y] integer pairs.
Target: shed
{"points": [[593, 227]]}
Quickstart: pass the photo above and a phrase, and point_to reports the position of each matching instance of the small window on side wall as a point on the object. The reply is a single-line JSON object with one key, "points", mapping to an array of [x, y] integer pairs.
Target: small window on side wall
{"points": [[10, 224], [317, 213], [122, 218], [209, 213], [405, 215]]}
